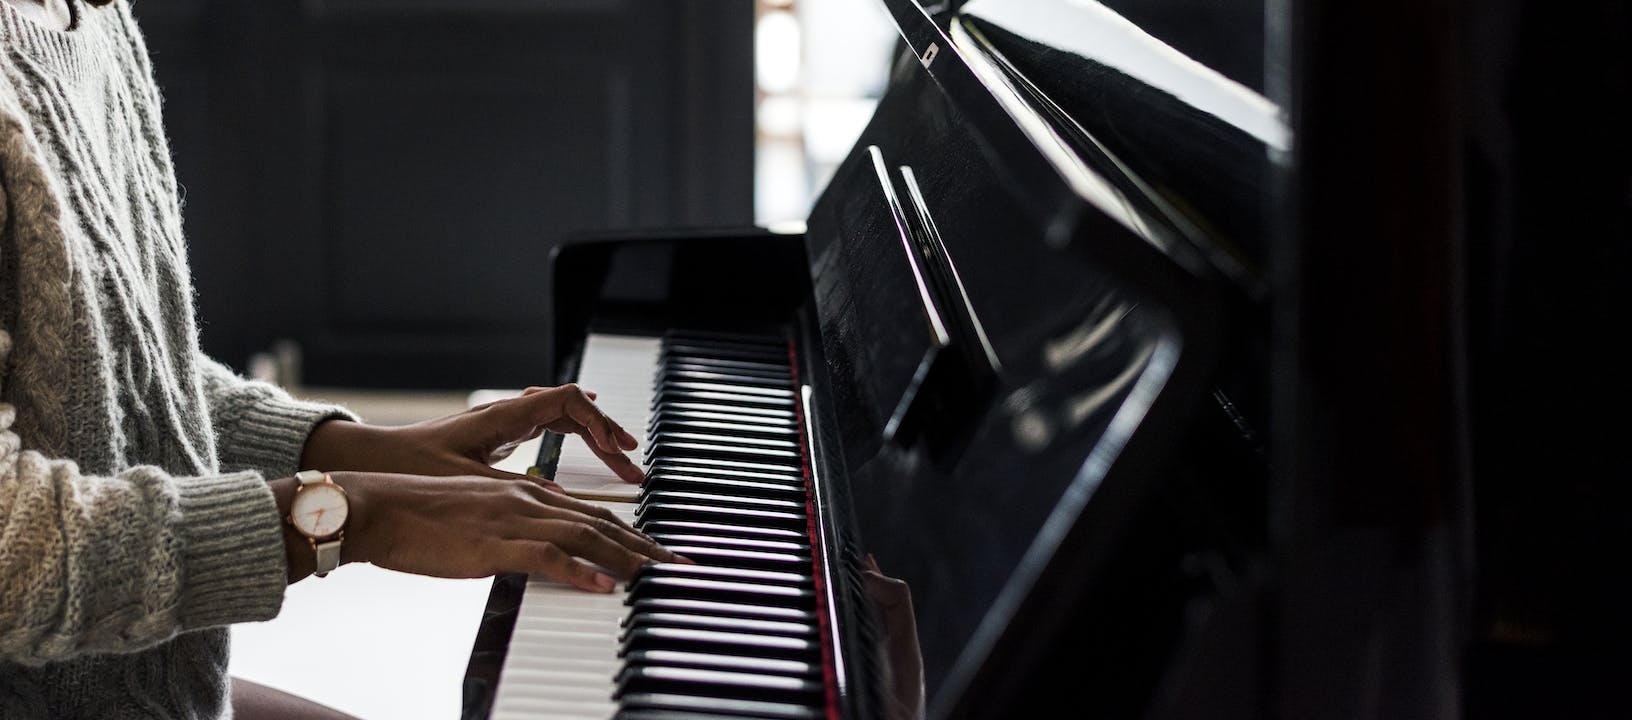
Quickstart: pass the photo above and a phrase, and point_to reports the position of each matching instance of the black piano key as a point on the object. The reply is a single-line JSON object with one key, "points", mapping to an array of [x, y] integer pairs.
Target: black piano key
{"points": [[669, 414], [726, 529], [725, 643], [738, 351], [660, 448], [640, 606], [717, 683], [672, 374], [721, 427], [769, 413], [718, 514], [732, 708], [739, 400], [797, 579], [656, 482], [752, 559], [781, 393], [753, 370], [733, 469], [696, 588], [724, 623], [720, 499], [733, 663], [733, 441], [721, 541]]}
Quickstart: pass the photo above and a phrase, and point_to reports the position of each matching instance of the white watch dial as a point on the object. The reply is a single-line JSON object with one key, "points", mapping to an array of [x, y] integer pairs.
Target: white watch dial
{"points": [[319, 510]]}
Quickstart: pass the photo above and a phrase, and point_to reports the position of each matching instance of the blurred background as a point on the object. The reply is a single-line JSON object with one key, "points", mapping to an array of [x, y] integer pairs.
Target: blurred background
{"points": [[373, 187]]}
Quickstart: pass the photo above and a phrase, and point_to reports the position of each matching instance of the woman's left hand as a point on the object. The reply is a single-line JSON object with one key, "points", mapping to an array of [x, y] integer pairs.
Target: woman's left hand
{"points": [[469, 442]]}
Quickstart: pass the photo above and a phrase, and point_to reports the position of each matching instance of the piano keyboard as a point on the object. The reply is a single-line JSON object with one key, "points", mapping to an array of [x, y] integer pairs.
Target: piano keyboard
{"points": [[737, 634], [622, 378]]}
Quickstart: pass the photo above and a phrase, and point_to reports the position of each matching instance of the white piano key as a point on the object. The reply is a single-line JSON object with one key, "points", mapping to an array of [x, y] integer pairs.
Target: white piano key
{"points": [[620, 370], [563, 653]]}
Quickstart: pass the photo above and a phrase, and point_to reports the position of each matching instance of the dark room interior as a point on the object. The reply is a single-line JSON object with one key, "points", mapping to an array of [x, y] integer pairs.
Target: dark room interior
{"points": [[1152, 359]]}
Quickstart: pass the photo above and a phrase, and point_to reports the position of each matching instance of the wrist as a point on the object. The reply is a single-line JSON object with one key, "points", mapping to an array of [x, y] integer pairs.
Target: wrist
{"points": [[340, 444], [301, 547], [359, 531], [296, 549]]}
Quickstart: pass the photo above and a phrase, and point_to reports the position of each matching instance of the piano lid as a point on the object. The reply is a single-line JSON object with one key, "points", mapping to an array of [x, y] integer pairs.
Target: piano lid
{"points": [[1177, 152], [1015, 322]]}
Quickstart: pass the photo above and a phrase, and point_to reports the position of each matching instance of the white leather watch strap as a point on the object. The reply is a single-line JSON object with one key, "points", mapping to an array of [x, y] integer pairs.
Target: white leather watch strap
{"points": [[328, 556]]}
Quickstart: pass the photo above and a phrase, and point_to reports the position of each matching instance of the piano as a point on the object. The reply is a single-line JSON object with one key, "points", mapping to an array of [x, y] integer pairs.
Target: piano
{"points": [[1082, 387], [910, 447]]}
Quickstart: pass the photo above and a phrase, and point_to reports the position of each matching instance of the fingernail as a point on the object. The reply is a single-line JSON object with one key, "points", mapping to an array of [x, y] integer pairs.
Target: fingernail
{"points": [[605, 583], [683, 559]]}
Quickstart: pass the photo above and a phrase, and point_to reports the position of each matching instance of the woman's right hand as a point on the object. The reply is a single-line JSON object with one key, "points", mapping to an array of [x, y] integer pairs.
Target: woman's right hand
{"points": [[475, 527]]}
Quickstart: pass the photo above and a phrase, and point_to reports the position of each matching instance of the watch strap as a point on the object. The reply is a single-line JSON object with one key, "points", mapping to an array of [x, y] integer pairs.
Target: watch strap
{"points": [[328, 556]]}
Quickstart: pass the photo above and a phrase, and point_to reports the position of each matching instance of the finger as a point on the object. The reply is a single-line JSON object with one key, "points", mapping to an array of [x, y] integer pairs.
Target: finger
{"points": [[606, 433], [625, 468], [591, 539], [566, 403], [633, 549], [571, 508], [542, 482], [607, 523], [537, 388], [540, 557]]}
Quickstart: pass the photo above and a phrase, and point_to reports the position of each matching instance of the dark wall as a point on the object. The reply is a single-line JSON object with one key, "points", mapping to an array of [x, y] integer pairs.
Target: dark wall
{"points": [[382, 181]]}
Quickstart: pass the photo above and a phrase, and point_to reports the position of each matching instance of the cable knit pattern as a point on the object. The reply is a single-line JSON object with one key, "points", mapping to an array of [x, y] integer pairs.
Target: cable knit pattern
{"points": [[135, 519]]}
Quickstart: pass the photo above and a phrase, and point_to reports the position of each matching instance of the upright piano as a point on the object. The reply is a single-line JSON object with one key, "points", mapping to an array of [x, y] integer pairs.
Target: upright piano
{"points": [[940, 454], [1141, 360]]}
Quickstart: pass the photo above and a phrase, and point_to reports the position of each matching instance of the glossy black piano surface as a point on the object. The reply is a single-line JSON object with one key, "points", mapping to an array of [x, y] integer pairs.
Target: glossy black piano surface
{"points": [[1034, 331]]}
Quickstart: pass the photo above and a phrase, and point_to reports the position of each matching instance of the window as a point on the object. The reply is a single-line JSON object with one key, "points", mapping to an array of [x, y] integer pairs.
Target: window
{"points": [[820, 67]]}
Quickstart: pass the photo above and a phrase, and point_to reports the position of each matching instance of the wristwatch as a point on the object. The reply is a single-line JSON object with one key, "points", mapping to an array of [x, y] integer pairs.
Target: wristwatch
{"points": [[319, 511]]}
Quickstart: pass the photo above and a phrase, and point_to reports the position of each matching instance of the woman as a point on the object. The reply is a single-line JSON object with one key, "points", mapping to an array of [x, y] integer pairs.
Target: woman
{"points": [[148, 494]]}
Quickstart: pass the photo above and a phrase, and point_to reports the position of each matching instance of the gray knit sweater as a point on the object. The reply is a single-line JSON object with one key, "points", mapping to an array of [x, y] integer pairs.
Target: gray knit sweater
{"points": [[135, 519]]}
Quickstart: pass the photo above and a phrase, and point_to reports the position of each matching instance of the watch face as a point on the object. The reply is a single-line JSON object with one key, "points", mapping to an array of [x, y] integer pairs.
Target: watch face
{"points": [[319, 510]]}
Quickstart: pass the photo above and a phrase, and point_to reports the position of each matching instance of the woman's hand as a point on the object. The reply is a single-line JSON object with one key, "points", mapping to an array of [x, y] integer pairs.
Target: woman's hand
{"points": [[475, 527], [469, 442]]}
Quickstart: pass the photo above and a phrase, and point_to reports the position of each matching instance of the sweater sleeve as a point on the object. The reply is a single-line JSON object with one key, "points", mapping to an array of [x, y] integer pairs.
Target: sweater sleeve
{"points": [[258, 425], [104, 564], [115, 564]]}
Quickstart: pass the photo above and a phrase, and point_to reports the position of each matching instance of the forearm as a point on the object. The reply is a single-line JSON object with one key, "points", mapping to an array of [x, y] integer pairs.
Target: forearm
{"points": [[341, 444]]}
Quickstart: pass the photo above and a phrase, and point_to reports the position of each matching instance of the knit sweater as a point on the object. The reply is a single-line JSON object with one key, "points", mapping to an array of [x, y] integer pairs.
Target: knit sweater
{"points": [[136, 523]]}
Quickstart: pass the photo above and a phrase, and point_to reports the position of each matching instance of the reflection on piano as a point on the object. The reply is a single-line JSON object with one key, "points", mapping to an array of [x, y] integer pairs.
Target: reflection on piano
{"points": [[903, 447], [989, 436]]}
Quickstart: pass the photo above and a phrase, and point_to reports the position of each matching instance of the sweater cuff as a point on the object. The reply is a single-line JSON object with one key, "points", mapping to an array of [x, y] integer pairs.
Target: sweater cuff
{"points": [[269, 432], [234, 565]]}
